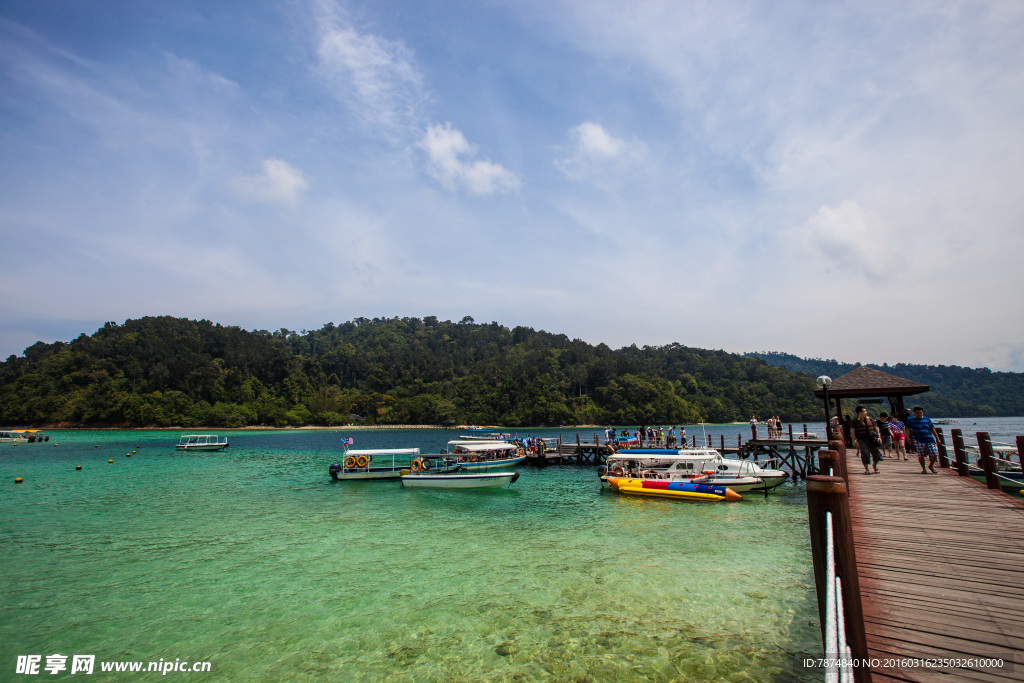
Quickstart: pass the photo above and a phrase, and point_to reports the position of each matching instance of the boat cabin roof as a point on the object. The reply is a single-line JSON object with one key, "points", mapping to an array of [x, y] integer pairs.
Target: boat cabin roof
{"points": [[475, 446], [384, 451]]}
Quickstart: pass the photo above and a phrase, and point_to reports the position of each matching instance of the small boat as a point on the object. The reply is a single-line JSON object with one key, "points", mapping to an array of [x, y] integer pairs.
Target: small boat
{"points": [[474, 456], [358, 464], [14, 436], [477, 480], [201, 442], [705, 464], [492, 436], [680, 490]]}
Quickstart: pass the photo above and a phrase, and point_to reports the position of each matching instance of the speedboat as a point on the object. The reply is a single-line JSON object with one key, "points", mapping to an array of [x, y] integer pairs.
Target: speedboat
{"points": [[704, 464], [475, 456], [478, 480], [15, 436], [358, 464], [201, 442], [680, 490]]}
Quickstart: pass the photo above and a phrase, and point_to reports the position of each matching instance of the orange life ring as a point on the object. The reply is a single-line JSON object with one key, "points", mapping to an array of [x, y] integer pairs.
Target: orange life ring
{"points": [[416, 465], [350, 462], [362, 461], [617, 472], [473, 458], [427, 464]]}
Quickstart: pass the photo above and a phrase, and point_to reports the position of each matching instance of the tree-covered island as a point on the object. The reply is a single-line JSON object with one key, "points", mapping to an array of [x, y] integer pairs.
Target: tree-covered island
{"points": [[165, 371]]}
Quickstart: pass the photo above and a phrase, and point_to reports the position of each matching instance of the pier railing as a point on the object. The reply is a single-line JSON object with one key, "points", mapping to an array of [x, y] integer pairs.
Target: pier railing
{"points": [[835, 569]]}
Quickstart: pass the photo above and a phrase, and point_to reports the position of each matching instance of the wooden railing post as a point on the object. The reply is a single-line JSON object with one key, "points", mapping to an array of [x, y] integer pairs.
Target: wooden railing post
{"points": [[960, 453], [694, 440], [830, 494], [753, 431], [943, 458], [830, 465], [838, 446], [709, 441], [987, 463], [1020, 451], [723, 443]]}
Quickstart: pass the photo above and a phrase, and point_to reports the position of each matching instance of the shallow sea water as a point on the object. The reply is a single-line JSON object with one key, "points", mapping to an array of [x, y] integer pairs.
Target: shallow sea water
{"points": [[255, 560]]}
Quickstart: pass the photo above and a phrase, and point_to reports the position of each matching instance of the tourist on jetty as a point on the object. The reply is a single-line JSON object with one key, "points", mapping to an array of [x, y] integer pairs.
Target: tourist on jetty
{"points": [[898, 430], [682, 436], [866, 433], [672, 437], [883, 430], [922, 431], [661, 436]]}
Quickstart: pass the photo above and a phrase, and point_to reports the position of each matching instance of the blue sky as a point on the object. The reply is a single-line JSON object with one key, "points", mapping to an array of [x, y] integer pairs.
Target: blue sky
{"points": [[839, 180]]}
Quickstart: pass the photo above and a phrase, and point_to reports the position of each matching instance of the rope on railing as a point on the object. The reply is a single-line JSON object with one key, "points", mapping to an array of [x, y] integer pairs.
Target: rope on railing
{"points": [[837, 650]]}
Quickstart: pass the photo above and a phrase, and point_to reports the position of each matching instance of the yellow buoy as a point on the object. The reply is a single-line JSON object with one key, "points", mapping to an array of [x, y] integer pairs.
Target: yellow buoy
{"points": [[96, 446], [79, 467], [110, 461], [18, 480]]}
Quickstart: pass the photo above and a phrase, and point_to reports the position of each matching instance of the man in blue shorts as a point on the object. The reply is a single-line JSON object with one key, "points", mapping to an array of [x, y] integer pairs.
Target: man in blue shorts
{"points": [[922, 431]]}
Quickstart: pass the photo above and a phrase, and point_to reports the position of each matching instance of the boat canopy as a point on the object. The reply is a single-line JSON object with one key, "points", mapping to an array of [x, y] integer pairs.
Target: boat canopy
{"points": [[477, 446], [384, 451]]}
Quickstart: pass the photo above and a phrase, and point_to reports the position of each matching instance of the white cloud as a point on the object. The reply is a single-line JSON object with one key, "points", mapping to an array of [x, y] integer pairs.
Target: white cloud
{"points": [[452, 163], [376, 77], [280, 182], [595, 151]]}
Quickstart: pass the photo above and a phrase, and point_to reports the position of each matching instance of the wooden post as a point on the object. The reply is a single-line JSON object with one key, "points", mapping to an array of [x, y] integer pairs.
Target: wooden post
{"points": [[723, 443], [791, 432], [960, 453], [694, 440], [753, 431], [837, 446], [709, 441], [829, 464], [1020, 451], [831, 494], [987, 463], [805, 429], [943, 458], [739, 442]]}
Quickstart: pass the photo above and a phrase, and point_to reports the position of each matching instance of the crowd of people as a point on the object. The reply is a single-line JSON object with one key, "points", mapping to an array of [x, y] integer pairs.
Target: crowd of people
{"points": [[887, 436], [644, 436]]}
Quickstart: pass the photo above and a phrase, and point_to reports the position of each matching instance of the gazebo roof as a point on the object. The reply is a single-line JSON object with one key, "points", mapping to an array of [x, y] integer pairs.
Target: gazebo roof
{"points": [[864, 382]]}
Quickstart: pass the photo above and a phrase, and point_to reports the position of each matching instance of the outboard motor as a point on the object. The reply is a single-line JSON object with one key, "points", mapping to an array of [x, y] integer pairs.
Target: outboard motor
{"points": [[335, 469], [602, 471]]}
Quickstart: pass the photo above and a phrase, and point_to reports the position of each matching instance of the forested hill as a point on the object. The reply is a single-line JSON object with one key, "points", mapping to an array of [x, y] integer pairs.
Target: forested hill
{"points": [[955, 391], [163, 371]]}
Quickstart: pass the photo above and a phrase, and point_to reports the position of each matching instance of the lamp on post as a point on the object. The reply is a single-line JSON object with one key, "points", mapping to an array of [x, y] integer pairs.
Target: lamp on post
{"points": [[824, 382]]}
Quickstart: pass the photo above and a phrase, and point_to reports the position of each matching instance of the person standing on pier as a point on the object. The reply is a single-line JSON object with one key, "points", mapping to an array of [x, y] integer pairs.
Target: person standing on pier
{"points": [[883, 430], [922, 431], [868, 439], [899, 437]]}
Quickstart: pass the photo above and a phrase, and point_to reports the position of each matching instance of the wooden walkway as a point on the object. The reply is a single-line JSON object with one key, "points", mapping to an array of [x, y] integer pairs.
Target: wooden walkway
{"points": [[941, 566]]}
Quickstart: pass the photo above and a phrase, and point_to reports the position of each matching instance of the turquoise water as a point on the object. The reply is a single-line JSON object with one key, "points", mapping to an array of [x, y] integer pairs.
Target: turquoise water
{"points": [[254, 560]]}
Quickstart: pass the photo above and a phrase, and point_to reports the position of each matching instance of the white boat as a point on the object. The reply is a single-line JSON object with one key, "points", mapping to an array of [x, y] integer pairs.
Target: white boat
{"points": [[475, 456], [14, 436], [704, 464], [202, 442], [495, 436], [359, 465], [477, 480]]}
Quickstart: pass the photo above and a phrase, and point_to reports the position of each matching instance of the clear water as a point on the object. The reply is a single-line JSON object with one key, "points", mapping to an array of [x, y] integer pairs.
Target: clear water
{"points": [[255, 560]]}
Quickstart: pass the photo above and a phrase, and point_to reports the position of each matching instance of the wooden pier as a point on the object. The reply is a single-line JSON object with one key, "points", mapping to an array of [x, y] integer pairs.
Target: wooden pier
{"points": [[939, 564]]}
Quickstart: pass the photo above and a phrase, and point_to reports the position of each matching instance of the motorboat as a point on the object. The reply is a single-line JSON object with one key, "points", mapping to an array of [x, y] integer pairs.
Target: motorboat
{"points": [[679, 490], [475, 456], [704, 464], [202, 442], [457, 480], [14, 436], [486, 436], [358, 465]]}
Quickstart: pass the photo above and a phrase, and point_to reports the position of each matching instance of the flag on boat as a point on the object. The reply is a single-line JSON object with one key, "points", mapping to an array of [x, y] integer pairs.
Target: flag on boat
{"points": [[347, 442]]}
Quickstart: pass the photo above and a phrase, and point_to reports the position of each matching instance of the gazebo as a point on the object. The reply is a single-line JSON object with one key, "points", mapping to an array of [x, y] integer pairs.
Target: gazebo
{"points": [[865, 382]]}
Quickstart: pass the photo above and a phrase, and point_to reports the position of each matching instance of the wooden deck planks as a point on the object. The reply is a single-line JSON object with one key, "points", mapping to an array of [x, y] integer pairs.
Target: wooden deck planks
{"points": [[941, 566]]}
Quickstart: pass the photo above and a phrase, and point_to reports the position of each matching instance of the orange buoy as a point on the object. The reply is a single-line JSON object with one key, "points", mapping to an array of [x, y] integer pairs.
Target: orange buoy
{"points": [[110, 461], [18, 480], [362, 461], [416, 465], [79, 467]]}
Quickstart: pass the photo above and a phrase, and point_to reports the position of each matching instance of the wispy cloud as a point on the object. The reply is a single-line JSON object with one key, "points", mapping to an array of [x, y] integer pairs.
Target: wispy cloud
{"points": [[280, 182], [453, 163], [596, 151], [377, 78]]}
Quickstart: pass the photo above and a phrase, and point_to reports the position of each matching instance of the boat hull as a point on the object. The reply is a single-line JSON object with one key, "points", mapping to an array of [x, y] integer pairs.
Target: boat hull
{"points": [[1011, 482], [488, 465], [673, 489], [204, 447], [460, 481]]}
